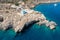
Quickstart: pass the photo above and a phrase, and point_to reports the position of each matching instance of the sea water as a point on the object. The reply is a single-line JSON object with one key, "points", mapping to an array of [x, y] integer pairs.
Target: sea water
{"points": [[36, 32]]}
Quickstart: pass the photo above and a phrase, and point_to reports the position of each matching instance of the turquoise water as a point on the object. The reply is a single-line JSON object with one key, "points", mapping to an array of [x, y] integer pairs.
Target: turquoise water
{"points": [[36, 32]]}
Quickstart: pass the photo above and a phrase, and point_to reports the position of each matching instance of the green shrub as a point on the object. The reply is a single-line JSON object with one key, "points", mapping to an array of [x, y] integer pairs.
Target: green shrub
{"points": [[17, 4]]}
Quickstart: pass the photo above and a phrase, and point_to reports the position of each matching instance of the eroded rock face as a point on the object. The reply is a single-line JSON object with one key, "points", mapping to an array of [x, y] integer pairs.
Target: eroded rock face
{"points": [[8, 16], [1, 19]]}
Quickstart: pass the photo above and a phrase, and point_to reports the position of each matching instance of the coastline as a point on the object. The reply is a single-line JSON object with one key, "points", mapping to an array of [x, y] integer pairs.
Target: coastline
{"points": [[19, 19], [36, 32], [33, 3]]}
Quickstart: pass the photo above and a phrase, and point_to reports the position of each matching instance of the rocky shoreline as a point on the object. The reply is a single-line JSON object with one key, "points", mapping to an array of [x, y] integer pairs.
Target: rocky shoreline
{"points": [[18, 16]]}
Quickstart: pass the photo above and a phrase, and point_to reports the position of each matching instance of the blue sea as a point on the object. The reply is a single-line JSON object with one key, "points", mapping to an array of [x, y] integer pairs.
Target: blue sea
{"points": [[36, 32]]}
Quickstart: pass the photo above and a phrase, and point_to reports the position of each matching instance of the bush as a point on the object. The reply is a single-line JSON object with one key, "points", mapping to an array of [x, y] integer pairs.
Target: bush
{"points": [[17, 4]]}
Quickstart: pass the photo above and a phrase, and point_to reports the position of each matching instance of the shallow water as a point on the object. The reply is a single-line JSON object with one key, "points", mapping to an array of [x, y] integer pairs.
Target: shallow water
{"points": [[37, 32]]}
